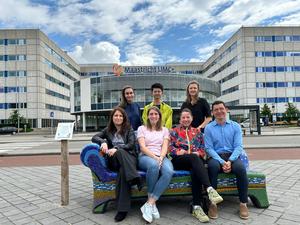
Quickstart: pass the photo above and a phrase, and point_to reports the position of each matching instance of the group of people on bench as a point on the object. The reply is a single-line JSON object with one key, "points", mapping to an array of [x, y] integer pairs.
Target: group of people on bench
{"points": [[162, 149]]}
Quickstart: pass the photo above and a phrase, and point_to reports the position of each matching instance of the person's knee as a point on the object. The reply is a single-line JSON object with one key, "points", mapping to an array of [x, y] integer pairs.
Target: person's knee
{"points": [[239, 168], [213, 165]]}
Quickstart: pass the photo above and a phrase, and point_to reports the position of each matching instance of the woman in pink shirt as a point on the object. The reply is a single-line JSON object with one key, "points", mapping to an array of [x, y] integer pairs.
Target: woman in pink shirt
{"points": [[154, 140]]}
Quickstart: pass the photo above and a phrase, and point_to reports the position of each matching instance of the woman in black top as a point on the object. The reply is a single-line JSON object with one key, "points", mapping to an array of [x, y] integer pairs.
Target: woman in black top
{"points": [[199, 106], [117, 143]]}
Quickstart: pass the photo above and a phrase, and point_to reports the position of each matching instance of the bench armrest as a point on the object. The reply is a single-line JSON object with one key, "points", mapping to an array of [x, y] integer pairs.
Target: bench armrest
{"points": [[91, 158]]}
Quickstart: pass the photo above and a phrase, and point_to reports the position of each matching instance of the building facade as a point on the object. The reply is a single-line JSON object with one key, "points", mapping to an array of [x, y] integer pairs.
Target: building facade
{"points": [[35, 78], [99, 89], [257, 66]]}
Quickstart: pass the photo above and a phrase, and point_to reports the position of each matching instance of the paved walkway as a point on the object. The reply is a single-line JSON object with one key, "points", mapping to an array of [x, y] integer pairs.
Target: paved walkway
{"points": [[31, 195]]}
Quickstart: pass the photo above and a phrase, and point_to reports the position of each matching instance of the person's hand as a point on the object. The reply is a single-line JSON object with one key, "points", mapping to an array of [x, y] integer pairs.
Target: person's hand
{"points": [[181, 152], [196, 153], [161, 159], [227, 167], [111, 151], [157, 158], [104, 148]]}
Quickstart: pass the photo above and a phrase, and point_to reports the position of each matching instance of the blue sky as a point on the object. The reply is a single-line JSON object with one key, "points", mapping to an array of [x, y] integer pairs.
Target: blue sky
{"points": [[141, 32]]}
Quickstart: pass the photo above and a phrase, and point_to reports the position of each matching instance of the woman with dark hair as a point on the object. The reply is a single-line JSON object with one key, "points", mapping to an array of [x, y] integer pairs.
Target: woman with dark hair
{"points": [[199, 106], [187, 151], [154, 140], [117, 143], [132, 108]]}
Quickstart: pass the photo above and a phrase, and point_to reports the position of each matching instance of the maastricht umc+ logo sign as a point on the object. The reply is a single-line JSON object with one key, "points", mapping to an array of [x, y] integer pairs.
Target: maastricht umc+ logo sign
{"points": [[118, 70]]}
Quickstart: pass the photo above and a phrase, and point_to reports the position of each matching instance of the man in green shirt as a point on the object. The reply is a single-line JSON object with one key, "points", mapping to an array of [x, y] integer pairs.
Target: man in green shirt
{"points": [[166, 111]]}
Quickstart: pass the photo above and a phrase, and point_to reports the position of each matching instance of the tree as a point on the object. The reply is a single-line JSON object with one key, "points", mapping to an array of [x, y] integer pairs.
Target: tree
{"points": [[291, 112], [15, 117], [266, 111]]}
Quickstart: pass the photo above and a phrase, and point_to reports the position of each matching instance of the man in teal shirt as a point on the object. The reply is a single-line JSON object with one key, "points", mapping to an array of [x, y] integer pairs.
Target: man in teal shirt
{"points": [[223, 143]]}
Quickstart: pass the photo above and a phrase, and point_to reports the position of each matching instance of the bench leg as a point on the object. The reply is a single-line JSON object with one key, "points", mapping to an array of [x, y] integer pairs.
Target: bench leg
{"points": [[100, 208], [259, 198]]}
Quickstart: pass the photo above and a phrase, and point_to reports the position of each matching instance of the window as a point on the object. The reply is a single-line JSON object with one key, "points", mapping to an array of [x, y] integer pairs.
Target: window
{"points": [[279, 38], [281, 84], [258, 54], [268, 54], [279, 54], [259, 69], [269, 69], [280, 69]]}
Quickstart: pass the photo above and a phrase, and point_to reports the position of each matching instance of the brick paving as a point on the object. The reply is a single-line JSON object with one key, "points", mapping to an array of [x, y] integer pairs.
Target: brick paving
{"points": [[31, 195]]}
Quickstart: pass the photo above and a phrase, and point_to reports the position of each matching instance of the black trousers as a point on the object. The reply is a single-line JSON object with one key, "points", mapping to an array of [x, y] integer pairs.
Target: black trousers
{"points": [[199, 175], [125, 165]]}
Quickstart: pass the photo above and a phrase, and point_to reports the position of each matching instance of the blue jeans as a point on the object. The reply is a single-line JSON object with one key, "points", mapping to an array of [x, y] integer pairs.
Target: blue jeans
{"points": [[157, 179]]}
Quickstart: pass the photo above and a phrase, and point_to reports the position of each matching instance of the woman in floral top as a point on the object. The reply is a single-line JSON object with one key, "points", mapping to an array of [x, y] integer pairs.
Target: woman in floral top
{"points": [[187, 152]]}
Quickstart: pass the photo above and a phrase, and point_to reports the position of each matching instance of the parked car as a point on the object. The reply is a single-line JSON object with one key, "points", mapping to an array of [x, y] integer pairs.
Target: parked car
{"points": [[298, 122], [8, 130], [246, 123]]}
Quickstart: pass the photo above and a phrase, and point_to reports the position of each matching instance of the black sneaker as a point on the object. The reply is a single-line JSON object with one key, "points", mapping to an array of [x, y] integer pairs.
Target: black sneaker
{"points": [[120, 216]]}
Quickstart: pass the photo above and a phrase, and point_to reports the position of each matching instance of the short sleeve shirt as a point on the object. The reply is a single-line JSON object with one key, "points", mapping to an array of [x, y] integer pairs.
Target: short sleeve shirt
{"points": [[153, 139]]}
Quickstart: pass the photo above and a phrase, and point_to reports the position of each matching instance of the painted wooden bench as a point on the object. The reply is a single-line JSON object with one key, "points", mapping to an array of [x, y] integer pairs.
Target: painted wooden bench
{"points": [[104, 182]]}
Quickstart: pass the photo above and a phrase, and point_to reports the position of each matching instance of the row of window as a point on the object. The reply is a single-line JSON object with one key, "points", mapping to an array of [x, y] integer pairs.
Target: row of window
{"points": [[14, 73], [277, 38], [95, 74], [12, 41], [230, 90], [277, 84], [58, 108], [55, 67], [58, 95], [276, 69], [60, 58], [226, 52], [276, 53], [12, 57], [229, 77], [77, 100], [13, 89], [56, 81], [233, 103], [278, 100], [22, 105], [229, 63]]}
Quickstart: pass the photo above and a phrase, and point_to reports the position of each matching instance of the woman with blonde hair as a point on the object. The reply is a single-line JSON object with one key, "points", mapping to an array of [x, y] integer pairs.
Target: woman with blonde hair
{"points": [[154, 140], [199, 106]]}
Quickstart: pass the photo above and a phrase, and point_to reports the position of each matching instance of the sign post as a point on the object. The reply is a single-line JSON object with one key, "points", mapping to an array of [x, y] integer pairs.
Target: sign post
{"points": [[64, 133], [51, 117]]}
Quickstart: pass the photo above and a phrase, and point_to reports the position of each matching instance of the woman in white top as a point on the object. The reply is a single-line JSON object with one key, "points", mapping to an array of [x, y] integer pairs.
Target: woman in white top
{"points": [[154, 140]]}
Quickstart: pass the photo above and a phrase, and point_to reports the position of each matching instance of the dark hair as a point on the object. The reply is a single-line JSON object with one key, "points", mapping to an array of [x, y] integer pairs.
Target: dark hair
{"points": [[158, 125], [157, 85], [188, 96], [186, 110], [125, 125], [217, 103], [124, 102]]}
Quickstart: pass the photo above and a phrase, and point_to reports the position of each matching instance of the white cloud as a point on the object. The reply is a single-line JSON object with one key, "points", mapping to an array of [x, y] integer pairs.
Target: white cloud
{"points": [[250, 13], [101, 52], [290, 20], [137, 29], [205, 52]]}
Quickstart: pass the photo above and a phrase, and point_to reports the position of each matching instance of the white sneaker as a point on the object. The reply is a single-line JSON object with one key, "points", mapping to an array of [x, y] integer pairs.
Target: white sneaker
{"points": [[214, 196], [155, 212], [146, 209]]}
